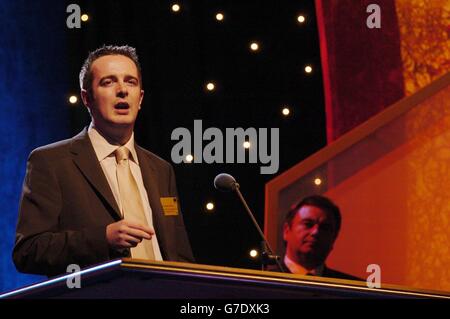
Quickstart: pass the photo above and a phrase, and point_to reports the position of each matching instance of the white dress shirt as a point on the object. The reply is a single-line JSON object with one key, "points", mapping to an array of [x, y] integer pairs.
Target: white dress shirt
{"points": [[105, 155]]}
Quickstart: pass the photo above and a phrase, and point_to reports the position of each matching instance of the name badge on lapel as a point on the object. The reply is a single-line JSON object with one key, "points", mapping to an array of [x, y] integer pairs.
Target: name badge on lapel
{"points": [[169, 206]]}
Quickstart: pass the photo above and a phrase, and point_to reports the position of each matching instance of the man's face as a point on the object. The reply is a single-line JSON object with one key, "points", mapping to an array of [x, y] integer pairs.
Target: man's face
{"points": [[311, 235], [116, 92]]}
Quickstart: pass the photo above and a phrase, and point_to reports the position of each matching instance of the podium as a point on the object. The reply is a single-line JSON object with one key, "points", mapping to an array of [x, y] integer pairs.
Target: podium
{"points": [[140, 279]]}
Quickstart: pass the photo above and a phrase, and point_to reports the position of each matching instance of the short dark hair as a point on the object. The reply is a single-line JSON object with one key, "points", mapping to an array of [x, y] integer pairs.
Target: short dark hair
{"points": [[318, 201], [86, 72]]}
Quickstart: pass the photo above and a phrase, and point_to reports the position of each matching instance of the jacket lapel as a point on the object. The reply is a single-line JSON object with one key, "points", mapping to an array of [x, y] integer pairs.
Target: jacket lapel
{"points": [[86, 160], [149, 176]]}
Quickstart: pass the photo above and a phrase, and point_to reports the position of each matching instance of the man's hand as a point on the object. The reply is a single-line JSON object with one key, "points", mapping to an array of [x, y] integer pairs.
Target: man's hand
{"points": [[126, 234]]}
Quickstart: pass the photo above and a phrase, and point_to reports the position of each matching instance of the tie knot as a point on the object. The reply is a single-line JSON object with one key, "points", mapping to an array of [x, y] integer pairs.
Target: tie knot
{"points": [[122, 153]]}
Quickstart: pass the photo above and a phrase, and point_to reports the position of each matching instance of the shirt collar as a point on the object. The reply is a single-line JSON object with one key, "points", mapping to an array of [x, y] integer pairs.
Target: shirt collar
{"points": [[103, 148], [296, 268]]}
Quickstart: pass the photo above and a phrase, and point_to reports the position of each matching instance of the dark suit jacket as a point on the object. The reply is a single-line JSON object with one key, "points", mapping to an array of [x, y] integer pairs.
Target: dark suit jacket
{"points": [[67, 203], [327, 272]]}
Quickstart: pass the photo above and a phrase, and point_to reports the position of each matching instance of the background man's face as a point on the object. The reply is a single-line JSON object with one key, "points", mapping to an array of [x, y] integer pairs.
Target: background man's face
{"points": [[116, 91], [311, 235]]}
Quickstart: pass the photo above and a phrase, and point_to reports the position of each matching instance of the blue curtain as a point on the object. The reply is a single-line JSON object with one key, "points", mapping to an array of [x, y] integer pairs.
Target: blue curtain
{"points": [[33, 105]]}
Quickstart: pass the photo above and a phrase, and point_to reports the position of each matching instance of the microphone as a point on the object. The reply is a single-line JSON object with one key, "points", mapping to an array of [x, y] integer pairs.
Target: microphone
{"points": [[226, 183]]}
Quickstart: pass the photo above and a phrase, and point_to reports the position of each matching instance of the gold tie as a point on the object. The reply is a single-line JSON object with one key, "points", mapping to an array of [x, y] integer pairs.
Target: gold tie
{"points": [[132, 208]]}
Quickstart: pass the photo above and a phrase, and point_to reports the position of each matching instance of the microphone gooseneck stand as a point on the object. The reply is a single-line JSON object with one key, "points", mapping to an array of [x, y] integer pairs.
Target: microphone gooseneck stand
{"points": [[225, 182]]}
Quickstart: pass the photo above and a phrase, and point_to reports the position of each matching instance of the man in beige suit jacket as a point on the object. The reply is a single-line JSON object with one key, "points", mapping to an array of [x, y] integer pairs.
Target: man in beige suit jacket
{"points": [[70, 211]]}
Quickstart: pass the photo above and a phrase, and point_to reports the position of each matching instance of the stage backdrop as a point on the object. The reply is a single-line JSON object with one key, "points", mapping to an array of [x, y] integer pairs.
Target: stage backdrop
{"points": [[33, 105], [390, 173], [367, 69], [389, 176]]}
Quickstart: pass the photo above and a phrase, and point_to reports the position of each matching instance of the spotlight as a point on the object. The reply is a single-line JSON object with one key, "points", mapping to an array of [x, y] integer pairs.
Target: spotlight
{"points": [[73, 99], [317, 181], [189, 158], [210, 206], [308, 69], [210, 86], [254, 46], [301, 19], [219, 16], [253, 253], [176, 7], [84, 17], [285, 111]]}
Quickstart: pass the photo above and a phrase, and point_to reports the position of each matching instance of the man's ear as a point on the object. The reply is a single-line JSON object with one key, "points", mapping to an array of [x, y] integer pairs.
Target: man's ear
{"points": [[286, 230], [86, 98], [141, 98], [334, 240]]}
